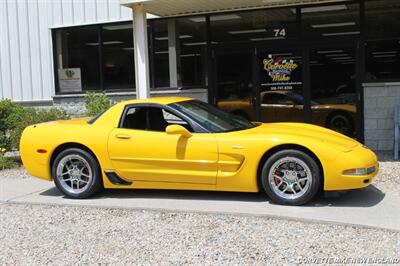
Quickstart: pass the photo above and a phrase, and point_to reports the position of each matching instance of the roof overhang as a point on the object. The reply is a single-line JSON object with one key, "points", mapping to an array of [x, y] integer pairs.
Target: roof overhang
{"points": [[174, 8]]}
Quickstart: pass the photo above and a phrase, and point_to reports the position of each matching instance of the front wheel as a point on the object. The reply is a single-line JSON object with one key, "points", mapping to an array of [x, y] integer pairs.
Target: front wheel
{"points": [[341, 122], [290, 177], [76, 173]]}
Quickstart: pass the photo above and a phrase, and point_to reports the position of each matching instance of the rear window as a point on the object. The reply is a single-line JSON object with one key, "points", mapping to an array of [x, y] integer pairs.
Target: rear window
{"points": [[94, 118]]}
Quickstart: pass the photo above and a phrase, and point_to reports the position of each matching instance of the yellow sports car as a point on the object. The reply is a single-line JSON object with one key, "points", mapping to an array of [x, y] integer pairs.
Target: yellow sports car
{"points": [[181, 143]]}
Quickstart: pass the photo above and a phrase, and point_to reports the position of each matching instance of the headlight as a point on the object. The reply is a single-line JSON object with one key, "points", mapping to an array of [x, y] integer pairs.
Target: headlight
{"points": [[355, 171], [359, 171]]}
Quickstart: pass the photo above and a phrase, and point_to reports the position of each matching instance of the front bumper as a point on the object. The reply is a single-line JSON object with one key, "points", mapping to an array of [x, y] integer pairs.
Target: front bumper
{"points": [[360, 157]]}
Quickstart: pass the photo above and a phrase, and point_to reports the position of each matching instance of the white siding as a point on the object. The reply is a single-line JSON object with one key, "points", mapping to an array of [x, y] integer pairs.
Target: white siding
{"points": [[1, 84], [26, 55]]}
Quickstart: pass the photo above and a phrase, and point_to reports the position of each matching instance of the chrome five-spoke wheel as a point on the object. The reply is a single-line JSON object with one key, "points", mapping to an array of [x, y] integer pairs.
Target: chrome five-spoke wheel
{"points": [[76, 173], [291, 177]]}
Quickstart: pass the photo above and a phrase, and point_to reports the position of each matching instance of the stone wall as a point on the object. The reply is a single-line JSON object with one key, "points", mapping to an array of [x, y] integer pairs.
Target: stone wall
{"points": [[75, 104], [380, 100]]}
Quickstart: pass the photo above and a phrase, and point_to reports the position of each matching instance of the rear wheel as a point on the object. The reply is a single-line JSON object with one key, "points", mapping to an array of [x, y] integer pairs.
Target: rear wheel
{"points": [[76, 173], [290, 177]]}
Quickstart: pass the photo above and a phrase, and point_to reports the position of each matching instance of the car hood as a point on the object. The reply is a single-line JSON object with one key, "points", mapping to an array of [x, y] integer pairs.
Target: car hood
{"points": [[302, 130]]}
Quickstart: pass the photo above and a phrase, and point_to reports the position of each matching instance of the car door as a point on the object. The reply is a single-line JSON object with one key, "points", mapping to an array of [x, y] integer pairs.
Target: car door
{"points": [[141, 150]]}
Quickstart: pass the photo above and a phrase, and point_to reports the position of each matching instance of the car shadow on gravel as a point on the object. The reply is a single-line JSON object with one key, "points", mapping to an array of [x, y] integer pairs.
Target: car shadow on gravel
{"points": [[367, 197]]}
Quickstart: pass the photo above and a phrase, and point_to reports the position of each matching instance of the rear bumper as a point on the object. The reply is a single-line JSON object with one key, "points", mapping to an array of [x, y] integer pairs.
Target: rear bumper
{"points": [[360, 157], [36, 164]]}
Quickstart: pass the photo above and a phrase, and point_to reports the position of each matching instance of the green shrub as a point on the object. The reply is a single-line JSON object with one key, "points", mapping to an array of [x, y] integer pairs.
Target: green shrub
{"points": [[14, 118], [32, 116], [96, 102], [6, 109], [8, 163]]}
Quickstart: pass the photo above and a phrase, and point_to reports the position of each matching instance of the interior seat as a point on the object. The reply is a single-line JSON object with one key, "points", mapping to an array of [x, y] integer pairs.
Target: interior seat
{"points": [[136, 120], [156, 119]]}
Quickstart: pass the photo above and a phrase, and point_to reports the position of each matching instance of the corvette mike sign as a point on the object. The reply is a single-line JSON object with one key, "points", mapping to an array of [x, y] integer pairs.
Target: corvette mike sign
{"points": [[280, 73]]}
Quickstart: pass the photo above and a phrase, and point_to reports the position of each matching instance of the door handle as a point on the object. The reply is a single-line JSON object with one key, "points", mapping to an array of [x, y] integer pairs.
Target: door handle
{"points": [[122, 136]]}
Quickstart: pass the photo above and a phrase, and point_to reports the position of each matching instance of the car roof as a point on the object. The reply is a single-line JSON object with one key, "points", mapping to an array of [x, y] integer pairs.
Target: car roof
{"points": [[157, 100]]}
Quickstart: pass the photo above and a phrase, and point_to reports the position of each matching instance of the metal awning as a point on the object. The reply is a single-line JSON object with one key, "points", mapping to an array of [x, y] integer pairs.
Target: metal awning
{"points": [[173, 8]]}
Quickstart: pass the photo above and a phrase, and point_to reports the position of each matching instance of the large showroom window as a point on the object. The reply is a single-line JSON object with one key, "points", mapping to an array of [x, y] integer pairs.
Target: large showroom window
{"points": [[331, 22], [118, 56], [101, 57], [383, 40], [77, 60], [179, 52], [332, 66], [94, 58], [219, 51], [254, 26]]}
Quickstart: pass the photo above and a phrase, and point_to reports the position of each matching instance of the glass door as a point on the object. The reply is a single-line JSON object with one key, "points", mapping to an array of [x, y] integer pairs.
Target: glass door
{"points": [[281, 95], [234, 82]]}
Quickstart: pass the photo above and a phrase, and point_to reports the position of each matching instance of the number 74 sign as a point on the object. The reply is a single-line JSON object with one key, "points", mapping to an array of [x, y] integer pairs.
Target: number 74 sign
{"points": [[280, 32]]}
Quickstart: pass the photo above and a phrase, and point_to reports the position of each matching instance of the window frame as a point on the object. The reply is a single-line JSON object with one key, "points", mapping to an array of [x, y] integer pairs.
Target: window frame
{"points": [[197, 128]]}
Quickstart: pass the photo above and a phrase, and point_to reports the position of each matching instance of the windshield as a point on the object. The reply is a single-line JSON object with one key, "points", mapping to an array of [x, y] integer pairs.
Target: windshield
{"points": [[210, 117]]}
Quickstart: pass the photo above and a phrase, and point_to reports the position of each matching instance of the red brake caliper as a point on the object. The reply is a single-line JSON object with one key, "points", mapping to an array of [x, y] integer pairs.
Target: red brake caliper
{"points": [[277, 178]]}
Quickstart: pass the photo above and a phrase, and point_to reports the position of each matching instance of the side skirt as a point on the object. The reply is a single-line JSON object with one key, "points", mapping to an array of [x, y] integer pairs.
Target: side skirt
{"points": [[116, 179]]}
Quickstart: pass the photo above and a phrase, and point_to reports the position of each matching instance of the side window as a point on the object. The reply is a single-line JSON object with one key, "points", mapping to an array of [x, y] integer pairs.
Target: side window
{"points": [[151, 118], [135, 118], [276, 98], [175, 120], [172, 119]]}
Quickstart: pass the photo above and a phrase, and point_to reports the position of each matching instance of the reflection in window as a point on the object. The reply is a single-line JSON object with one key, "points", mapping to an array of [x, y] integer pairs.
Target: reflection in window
{"points": [[383, 60], [118, 57], [383, 45], [333, 75], [179, 52], [234, 84], [254, 26], [382, 19], [276, 98], [160, 54], [78, 51], [332, 21], [333, 88]]}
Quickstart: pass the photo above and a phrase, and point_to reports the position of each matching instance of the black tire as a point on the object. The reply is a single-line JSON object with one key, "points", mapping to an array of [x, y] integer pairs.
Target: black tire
{"points": [[307, 194], [341, 122], [91, 187]]}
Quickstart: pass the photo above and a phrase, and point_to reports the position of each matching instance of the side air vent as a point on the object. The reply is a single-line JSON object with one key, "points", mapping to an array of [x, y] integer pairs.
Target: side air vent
{"points": [[116, 179]]}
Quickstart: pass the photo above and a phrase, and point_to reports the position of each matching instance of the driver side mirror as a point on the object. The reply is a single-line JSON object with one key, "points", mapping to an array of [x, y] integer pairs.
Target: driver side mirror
{"points": [[178, 130]]}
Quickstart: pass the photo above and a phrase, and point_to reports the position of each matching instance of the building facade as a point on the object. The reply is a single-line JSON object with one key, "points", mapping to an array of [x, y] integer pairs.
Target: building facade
{"points": [[331, 63]]}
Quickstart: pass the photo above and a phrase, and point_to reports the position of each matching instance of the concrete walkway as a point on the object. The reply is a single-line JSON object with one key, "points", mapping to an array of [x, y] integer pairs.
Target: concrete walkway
{"points": [[368, 207]]}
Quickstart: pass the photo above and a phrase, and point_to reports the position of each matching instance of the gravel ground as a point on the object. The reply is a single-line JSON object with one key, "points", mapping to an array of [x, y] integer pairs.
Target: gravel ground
{"points": [[41, 235], [388, 179], [14, 173]]}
